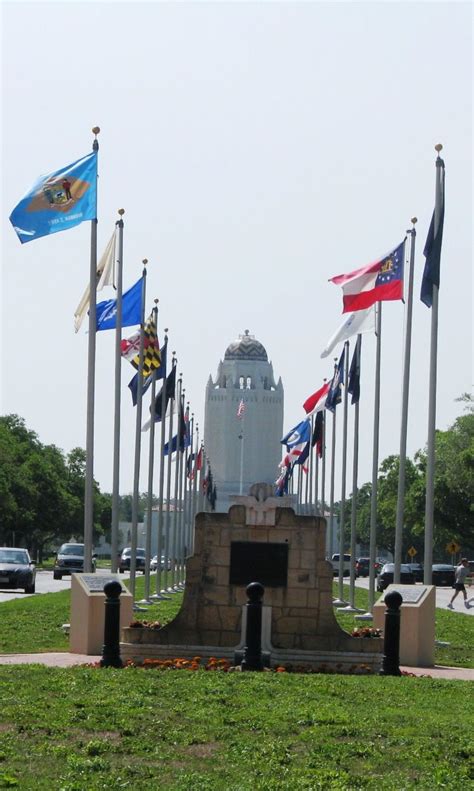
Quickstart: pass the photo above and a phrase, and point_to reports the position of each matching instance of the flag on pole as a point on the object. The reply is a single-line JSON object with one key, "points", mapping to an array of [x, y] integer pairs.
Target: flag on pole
{"points": [[356, 323], [353, 385], [316, 402], [131, 309], [297, 443], [130, 347], [58, 201], [151, 348], [170, 388], [105, 277], [159, 373], [432, 253], [241, 408], [334, 394], [318, 434], [378, 282], [177, 442]]}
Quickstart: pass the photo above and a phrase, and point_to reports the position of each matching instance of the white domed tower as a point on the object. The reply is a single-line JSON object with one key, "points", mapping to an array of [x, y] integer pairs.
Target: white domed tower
{"points": [[244, 449]]}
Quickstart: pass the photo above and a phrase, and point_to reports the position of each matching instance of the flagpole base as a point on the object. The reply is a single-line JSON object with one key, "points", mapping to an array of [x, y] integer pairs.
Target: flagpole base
{"points": [[339, 603], [367, 616], [145, 601], [137, 608], [349, 608], [159, 597]]}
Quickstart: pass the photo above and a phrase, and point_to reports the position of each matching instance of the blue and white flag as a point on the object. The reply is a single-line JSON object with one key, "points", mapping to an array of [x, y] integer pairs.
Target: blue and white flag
{"points": [[334, 395], [58, 201], [298, 435], [131, 309]]}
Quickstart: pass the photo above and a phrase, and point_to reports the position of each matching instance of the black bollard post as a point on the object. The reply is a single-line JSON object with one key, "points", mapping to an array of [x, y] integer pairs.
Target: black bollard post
{"points": [[111, 649], [253, 634], [391, 637]]}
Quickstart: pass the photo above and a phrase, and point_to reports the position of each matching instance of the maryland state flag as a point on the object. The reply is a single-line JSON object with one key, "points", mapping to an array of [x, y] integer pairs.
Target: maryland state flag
{"points": [[151, 348], [58, 201]]}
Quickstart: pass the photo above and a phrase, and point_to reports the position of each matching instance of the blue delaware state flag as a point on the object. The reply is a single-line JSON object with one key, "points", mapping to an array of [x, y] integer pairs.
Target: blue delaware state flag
{"points": [[131, 309], [58, 201]]}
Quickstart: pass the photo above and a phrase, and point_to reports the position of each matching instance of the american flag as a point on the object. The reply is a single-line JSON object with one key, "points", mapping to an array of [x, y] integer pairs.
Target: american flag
{"points": [[241, 408]]}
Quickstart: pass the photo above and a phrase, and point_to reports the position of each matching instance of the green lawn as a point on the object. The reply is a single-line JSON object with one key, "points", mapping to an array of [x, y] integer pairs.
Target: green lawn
{"points": [[34, 624], [85, 729]]}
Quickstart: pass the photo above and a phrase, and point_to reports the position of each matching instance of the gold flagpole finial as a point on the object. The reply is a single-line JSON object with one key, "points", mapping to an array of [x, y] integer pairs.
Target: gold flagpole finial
{"points": [[156, 301], [95, 130], [414, 220], [144, 261], [121, 212], [438, 147]]}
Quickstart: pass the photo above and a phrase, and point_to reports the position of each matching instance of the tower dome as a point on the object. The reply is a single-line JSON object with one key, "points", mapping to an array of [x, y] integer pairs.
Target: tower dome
{"points": [[246, 348]]}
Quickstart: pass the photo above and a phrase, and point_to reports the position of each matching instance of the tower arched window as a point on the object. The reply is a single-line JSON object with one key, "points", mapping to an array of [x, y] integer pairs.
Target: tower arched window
{"points": [[241, 383], [248, 383]]}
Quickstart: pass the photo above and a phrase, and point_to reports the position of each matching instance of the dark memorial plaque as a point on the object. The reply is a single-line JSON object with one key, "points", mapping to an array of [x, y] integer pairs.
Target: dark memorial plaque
{"points": [[255, 562]]}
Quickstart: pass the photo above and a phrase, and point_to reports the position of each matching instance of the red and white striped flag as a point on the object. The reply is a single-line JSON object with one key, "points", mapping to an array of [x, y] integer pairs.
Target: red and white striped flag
{"points": [[241, 408]]}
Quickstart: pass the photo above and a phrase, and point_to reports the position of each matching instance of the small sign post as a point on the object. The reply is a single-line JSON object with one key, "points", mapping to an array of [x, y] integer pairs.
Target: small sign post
{"points": [[453, 548], [412, 552]]}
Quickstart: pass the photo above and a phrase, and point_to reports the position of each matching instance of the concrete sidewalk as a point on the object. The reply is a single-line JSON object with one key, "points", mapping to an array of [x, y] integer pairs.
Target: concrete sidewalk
{"points": [[63, 659]]}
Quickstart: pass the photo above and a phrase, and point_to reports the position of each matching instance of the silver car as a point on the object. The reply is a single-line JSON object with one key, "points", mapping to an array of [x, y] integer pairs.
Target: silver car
{"points": [[17, 569], [70, 560]]}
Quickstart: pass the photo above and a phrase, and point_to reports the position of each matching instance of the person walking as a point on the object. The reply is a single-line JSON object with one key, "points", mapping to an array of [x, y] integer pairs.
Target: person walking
{"points": [[460, 577]]}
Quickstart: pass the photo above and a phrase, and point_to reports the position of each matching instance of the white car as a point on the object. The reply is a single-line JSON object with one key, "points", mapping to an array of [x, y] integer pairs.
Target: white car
{"points": [[335, 565], [164, 564]]}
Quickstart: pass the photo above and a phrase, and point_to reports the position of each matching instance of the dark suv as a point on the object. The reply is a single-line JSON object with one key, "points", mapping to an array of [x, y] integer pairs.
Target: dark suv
{"points": [[362, 567], [126, 556], [385, 577], [70, 560]]}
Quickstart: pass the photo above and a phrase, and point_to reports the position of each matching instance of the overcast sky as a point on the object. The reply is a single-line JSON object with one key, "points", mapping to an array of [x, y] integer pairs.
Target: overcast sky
{"points": [[257, 149]]}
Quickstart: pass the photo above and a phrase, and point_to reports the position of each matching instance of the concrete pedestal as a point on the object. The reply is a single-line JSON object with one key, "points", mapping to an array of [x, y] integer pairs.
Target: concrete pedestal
{"points": [[86, 635], [417, 623]]}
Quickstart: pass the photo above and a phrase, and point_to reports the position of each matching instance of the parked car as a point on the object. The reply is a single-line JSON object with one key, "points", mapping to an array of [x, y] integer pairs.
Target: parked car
{"points": [[17, 569], [165, 564], [443, 574], [362, 567], [385, 577], [417, 569], [126, 556], [346, 567], [70, 560]]}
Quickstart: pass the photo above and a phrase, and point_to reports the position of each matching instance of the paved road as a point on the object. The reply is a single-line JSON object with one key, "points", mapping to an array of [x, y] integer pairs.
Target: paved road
{"points": [[46, 584], [443, 596]]}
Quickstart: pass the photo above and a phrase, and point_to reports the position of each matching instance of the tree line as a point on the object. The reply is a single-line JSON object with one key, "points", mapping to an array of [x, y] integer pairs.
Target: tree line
{"points": [[453, 496], [42, 493]]}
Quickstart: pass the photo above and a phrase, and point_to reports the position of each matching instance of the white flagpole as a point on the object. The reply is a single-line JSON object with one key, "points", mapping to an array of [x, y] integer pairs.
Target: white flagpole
{"points": [[375, 468], [323, 468], [138, 437], [151, 461], [331, 485], [159, 549], [341, 601], [404, 419], [89, 477], [117, 407], [430, 460], [167, 517], [355, 468]]}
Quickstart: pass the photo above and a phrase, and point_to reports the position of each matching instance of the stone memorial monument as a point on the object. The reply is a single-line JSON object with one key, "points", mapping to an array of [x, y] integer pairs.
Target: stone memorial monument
{"points": [[258, 540]]}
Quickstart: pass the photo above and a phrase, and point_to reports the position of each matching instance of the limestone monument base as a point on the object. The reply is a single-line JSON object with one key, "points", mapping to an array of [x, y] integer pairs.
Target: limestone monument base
{"points": [[86, 632], [257, 541], [417, 623]]}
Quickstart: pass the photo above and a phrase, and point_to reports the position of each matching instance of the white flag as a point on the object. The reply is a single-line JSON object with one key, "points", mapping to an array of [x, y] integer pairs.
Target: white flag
{"points": [[105, 274], [357, 322]]}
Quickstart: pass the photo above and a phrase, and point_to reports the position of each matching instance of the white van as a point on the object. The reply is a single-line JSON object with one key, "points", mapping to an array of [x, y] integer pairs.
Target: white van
{"points": [[335, 565]]}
